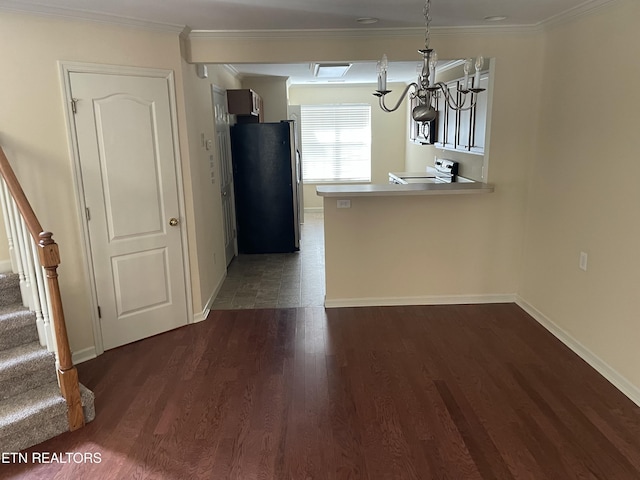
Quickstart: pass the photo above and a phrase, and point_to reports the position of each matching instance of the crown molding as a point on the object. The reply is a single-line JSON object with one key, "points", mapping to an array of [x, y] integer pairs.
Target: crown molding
{"points": [[87, 15], [368, 32], [232, 70], [583, 9]]}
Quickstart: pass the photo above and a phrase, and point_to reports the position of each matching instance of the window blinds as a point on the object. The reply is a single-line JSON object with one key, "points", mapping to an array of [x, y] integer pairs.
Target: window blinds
{"points": [[336, 143]]}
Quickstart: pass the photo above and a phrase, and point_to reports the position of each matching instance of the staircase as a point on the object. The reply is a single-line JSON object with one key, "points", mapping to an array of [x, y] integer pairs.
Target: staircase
{"points": [[32, 409]]}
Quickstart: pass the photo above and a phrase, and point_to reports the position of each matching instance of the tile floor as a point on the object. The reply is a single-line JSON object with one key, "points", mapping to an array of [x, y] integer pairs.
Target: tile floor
{"points": [[278, 280]]}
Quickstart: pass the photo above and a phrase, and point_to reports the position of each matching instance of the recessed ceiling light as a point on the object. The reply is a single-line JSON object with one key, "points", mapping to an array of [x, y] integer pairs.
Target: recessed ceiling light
{"points": [[495, 18], [367, 20]]}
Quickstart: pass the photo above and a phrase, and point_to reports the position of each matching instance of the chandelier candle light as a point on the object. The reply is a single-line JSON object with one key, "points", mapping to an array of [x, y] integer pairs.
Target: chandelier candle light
{"points": [[426, 88]]}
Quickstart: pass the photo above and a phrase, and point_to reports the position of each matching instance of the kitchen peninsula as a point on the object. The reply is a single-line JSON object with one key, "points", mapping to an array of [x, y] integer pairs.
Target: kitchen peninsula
{"points": [[400, 245], [373, 190]]}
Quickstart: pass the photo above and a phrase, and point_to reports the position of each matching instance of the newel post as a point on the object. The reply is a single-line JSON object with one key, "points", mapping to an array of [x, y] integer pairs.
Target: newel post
{"points": [[67, 373]]}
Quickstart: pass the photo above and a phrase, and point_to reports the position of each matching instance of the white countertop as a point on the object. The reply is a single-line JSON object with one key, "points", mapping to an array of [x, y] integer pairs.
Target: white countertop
{"points": [[387, 190]]}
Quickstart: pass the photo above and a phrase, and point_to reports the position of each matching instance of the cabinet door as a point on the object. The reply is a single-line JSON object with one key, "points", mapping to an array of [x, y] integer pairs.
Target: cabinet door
{"points": [[463, 140], [245, 104], [452, 119], [480, 117], [441, 129]]}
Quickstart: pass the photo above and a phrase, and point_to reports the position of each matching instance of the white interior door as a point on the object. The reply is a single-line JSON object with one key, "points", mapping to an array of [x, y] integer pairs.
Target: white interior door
{"points": [[223, 141], [125, 141]]}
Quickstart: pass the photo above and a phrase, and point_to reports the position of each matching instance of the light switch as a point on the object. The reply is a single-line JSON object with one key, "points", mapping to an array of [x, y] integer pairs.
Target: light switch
{"points": [[344, 203]]}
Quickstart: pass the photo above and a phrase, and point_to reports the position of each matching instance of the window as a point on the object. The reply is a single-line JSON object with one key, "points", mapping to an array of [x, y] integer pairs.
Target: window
{"points": [[336, 143]]}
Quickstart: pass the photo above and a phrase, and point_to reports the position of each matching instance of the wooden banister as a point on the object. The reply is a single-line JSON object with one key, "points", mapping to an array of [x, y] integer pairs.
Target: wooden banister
{"points": [[49, 256]]}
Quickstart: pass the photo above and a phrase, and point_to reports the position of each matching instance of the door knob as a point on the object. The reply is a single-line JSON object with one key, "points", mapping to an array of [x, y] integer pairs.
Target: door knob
{"points": [[173, 222]]}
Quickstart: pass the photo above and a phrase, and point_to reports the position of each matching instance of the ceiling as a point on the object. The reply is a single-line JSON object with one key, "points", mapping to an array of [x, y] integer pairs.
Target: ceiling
{"points": [[305, 14], [226, 15]]}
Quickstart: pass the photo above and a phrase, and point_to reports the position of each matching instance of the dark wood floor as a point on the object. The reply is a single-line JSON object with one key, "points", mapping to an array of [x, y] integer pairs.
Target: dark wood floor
{"points": [[437, 392]]}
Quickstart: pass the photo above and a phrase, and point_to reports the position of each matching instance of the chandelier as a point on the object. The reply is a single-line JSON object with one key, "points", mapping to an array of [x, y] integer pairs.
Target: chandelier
{"points": [[426, 89]]}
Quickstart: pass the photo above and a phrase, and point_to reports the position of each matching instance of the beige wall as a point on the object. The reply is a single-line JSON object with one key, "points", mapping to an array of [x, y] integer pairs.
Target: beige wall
{"points": [[208, 267], [424, 248], [33, 129], [418, 156], [388, 130], [588, 126]]}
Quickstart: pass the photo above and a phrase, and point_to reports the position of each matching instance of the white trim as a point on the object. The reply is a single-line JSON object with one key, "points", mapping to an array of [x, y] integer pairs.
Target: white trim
{"points": [[88, 15], [368, 32], [585, 8], [200, 316], [604, 369], [66, 68], [5, 266], [233, 71], [426, 300], [83, 355]]}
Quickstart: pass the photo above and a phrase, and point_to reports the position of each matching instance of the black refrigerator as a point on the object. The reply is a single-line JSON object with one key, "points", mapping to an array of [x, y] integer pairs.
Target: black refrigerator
{"points": [[266, 177]]}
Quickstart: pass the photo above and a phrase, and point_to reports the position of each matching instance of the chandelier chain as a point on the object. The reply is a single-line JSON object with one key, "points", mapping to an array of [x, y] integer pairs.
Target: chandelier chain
{"points": [[427, 89]]}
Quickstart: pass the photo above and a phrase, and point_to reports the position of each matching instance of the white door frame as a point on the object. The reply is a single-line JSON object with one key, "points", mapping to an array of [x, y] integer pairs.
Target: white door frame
{"points": [[223, 91], [67, 68]]}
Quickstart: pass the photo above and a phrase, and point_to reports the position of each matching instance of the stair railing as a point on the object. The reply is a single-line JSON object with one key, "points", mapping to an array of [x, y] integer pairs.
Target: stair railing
{"points": [[36, 261]]}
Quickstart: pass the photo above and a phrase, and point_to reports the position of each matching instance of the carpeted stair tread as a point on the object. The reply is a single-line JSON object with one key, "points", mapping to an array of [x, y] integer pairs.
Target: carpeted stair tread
{"points": [[13, 316], [9, 288], [37, 415], [25, 367], [17, 326], [30, 404], [32, 408], [26, 358], [7, 312]]}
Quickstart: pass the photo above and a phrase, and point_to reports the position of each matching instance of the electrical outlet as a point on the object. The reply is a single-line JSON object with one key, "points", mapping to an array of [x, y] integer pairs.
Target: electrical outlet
{"points": [[583, 261], [344, 203]]}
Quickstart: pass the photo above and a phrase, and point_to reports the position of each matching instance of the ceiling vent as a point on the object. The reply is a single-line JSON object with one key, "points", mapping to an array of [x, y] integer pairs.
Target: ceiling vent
{"points": [[330, 70]]}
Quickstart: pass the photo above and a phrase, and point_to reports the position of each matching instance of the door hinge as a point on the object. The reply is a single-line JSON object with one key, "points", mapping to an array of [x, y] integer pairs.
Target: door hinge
{"points": [[87, 213], [74, 107], [235, 234], [99, 312]]}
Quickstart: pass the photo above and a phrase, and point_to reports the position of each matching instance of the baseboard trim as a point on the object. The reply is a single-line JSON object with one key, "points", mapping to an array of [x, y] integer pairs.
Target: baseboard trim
{"points": [[426, 300], [5, 266], [201, 316], [83, 355], [604, 369]]}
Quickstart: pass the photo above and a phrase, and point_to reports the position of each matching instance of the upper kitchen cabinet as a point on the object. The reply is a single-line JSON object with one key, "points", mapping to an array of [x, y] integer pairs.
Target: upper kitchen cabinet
{"points": [[463, 130], [246, 105], [479, 127]]}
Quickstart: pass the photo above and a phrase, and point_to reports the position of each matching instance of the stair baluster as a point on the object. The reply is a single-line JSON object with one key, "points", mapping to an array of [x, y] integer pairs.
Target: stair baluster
{"points": [[41, 254]]}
